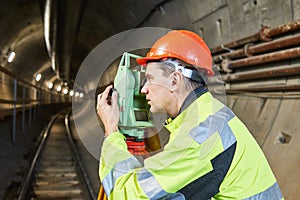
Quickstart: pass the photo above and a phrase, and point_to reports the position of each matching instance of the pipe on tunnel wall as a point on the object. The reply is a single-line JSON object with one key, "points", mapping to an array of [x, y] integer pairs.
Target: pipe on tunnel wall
{"points": [[243, 66], [270, 57], [61, 26], [264, 34], [276, 88], [273, 73], [260, 48]]}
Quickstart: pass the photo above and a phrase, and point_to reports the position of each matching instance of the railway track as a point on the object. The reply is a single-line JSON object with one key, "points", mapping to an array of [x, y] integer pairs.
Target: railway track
{"points": [[56, 171]]}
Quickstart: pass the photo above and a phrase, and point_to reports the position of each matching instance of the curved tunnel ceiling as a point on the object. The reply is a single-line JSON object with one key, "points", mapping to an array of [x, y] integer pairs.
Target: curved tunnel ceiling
{"points": [[23, 31]]}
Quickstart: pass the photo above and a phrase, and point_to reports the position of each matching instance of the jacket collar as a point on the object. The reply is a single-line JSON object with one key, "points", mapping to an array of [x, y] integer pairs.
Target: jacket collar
{"points": [[195, 94]]}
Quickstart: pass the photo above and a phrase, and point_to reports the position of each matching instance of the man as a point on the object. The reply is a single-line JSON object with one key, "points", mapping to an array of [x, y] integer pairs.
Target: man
{"points": [[210, 153]]}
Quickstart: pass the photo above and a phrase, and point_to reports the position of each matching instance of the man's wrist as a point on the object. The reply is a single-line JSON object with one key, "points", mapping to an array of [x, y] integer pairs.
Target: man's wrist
{"points": [[110, 131], [114, 136]]}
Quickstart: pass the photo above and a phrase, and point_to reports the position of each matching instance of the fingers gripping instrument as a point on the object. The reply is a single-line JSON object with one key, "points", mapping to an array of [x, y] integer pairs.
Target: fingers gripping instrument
{"points": [[134, 110]]}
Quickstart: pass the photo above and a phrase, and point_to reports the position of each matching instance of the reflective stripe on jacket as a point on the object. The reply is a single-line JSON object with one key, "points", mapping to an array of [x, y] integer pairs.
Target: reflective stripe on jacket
{"points": [[210, 154]]}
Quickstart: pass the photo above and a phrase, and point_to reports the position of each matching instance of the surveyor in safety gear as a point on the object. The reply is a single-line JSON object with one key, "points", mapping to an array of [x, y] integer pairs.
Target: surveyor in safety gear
{"points": [[210, 153]]}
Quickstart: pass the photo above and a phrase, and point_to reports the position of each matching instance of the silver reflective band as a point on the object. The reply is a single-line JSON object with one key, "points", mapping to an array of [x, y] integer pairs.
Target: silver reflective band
{"points": [[272, 193], [192, 74], [150, 185], [179, 67], [185, 72], [119, 170], [217, 122]]}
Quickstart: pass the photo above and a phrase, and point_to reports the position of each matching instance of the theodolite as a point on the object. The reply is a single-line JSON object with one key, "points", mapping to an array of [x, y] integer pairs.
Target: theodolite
{"points": [[134, 110]]}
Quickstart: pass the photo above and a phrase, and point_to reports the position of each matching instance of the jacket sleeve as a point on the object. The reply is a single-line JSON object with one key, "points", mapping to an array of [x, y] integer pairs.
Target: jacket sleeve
{"points": [[165, 173]]}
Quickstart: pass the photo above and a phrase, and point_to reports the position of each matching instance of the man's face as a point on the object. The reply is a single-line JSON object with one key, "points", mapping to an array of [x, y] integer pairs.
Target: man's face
{"points": [[157, 89]]}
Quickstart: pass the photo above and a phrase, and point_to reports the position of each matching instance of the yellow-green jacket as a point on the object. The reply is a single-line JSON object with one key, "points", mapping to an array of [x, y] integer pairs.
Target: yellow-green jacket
{"points": [[210, 155]]}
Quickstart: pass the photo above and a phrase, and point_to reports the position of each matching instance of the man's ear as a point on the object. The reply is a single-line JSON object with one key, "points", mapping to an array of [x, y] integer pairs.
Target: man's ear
{"points": [[177, 80]]}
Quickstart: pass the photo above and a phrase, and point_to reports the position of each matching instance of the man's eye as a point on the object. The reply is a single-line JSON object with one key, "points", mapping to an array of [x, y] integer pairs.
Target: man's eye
{"points": [[144, 81]]}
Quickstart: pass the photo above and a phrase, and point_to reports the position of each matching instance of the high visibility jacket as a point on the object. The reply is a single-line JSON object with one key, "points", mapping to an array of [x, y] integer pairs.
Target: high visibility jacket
{"points": [[210, 155]]}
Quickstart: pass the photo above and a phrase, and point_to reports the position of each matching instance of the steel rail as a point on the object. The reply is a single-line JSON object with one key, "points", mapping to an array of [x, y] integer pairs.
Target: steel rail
{"points": [[27, 181], [92, 193], [28, 178]]}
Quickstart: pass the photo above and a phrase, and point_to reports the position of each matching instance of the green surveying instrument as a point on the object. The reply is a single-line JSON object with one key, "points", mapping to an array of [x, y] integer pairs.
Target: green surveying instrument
{"points": [[134, 110]]}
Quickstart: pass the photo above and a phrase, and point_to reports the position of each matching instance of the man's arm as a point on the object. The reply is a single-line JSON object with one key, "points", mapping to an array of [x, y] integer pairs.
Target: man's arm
{"points": [[165, 173], [123, 177]]}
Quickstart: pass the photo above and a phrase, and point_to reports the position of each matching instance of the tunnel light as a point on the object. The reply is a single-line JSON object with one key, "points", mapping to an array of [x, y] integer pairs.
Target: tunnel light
{"points": [[81, 95], [11, 57], [58, 88], [38, 77], [65, 91], [50, 85], [76, 94], [71, 93]]}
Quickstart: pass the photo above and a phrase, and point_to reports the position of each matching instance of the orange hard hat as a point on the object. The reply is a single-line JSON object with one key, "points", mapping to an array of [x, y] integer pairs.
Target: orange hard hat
{"points": [[181, 44]]}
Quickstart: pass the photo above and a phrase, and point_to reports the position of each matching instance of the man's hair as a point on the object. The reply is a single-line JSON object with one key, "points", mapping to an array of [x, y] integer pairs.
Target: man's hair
{"points": [[168, 68]]}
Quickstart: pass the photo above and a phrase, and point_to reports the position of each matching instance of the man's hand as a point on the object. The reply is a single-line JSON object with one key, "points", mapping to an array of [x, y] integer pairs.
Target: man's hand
{"points": [[108, 112]]}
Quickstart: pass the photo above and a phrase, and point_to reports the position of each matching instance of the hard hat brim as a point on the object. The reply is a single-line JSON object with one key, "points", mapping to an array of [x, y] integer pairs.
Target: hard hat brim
{"points": [[144, 60]]}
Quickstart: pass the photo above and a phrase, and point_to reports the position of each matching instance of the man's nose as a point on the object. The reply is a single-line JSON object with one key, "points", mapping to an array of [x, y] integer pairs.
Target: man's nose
{"points": [[144, 89]]}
